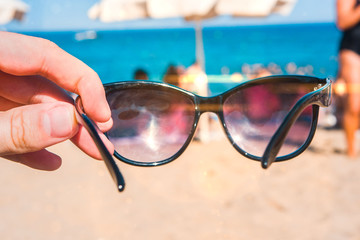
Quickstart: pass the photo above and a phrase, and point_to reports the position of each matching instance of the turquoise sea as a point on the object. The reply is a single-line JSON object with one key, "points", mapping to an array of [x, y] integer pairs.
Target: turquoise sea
{"points": [[115, 55]]}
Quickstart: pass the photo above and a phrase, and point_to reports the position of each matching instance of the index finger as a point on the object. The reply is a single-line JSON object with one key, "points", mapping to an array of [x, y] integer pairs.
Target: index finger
{"points": [[24, 55]]}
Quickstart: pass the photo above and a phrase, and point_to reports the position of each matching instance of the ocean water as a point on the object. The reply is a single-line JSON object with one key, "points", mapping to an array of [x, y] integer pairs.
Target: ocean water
{"points": [[115, 55]]}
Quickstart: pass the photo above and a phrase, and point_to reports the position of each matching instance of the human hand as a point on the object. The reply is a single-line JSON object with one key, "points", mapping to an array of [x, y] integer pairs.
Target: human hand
{"points": [[35, 111]]}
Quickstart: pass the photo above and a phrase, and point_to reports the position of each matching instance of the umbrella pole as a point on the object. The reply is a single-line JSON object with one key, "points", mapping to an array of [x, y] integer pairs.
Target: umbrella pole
{"points": [[199, 44]]}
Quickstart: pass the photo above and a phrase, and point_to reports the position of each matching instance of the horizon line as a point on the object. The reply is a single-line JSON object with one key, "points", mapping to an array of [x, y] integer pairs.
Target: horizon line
{"points": [[143, 27]]}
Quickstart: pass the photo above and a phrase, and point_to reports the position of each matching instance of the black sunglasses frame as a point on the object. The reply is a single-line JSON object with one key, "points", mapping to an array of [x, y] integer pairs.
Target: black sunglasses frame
{"points": [[319, 97]]}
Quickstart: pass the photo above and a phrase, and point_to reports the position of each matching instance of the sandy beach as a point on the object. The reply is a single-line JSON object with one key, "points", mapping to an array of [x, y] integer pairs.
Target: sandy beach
{"points": [[211, 192]]}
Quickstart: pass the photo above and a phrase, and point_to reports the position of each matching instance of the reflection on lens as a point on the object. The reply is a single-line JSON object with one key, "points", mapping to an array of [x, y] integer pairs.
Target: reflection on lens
{"points": [[150, 125], [252, 115], [128, 114]]}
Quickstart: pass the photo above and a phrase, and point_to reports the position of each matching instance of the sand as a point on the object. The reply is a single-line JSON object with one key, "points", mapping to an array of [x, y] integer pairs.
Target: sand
{"points": [[211, 192]]}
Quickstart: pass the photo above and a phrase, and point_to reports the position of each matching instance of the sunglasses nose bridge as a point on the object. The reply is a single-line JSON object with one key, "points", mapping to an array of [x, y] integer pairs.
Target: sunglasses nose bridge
{"points": [[209, 104]]}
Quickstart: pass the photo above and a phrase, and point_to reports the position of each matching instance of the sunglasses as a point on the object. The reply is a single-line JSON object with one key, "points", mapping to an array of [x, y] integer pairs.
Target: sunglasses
{"points": [[268, 119]]}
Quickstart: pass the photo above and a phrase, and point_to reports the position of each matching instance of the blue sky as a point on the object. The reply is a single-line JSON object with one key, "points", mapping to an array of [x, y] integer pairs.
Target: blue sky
{"points": [[58, 15]]}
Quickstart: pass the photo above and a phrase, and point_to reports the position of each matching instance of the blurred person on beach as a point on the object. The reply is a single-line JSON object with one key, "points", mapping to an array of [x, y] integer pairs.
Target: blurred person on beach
{"points": [[261, 71], [195, 80], [291, 68], [36, 112], [348, 20], [173, 75], [246, 71], [274, 69], [140, 74]]}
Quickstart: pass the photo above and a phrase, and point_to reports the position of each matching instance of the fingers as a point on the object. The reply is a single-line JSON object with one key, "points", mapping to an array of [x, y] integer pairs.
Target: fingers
{"points": [[35, 56], [50, 118], [42, 160], [6, 104], [83, 140], [31, 89], [34, 127], [31, 128], [34, 89]]}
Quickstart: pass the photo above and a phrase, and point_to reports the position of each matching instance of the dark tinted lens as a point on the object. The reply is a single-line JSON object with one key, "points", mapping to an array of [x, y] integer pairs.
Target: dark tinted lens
{"points": [[150, 125], [252, 115]]}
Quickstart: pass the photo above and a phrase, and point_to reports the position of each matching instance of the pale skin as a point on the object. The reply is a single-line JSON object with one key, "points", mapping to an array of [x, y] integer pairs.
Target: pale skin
{"points": [[35, 111], [347, 16]]}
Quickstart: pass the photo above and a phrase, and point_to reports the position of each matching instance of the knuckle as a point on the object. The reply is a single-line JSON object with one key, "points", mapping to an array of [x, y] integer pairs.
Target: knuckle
{"points": [[47, 44], [48, 47], [18, 135], [86, 82]]}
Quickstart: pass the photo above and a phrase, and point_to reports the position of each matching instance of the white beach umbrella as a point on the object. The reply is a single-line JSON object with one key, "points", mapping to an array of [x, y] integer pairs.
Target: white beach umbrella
{"points": [[191, 10], [12, 9]]}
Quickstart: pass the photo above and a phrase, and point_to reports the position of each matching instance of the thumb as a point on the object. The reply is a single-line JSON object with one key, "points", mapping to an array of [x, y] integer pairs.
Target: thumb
{"points": [[34, 127]]}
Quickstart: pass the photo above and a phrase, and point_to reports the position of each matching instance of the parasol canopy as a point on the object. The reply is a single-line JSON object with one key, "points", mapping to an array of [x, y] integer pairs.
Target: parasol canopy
{"points": [[190, 10], [12, 10]]}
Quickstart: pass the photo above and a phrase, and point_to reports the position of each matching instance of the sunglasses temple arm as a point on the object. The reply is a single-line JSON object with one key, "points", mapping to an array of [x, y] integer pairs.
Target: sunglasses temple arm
{"points": [[321, 97], [105, 154], [279, 137]]}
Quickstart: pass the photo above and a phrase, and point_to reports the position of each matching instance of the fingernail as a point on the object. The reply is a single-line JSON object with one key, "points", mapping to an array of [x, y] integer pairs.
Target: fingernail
{"points": [[107, 111], [59, 122]]}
